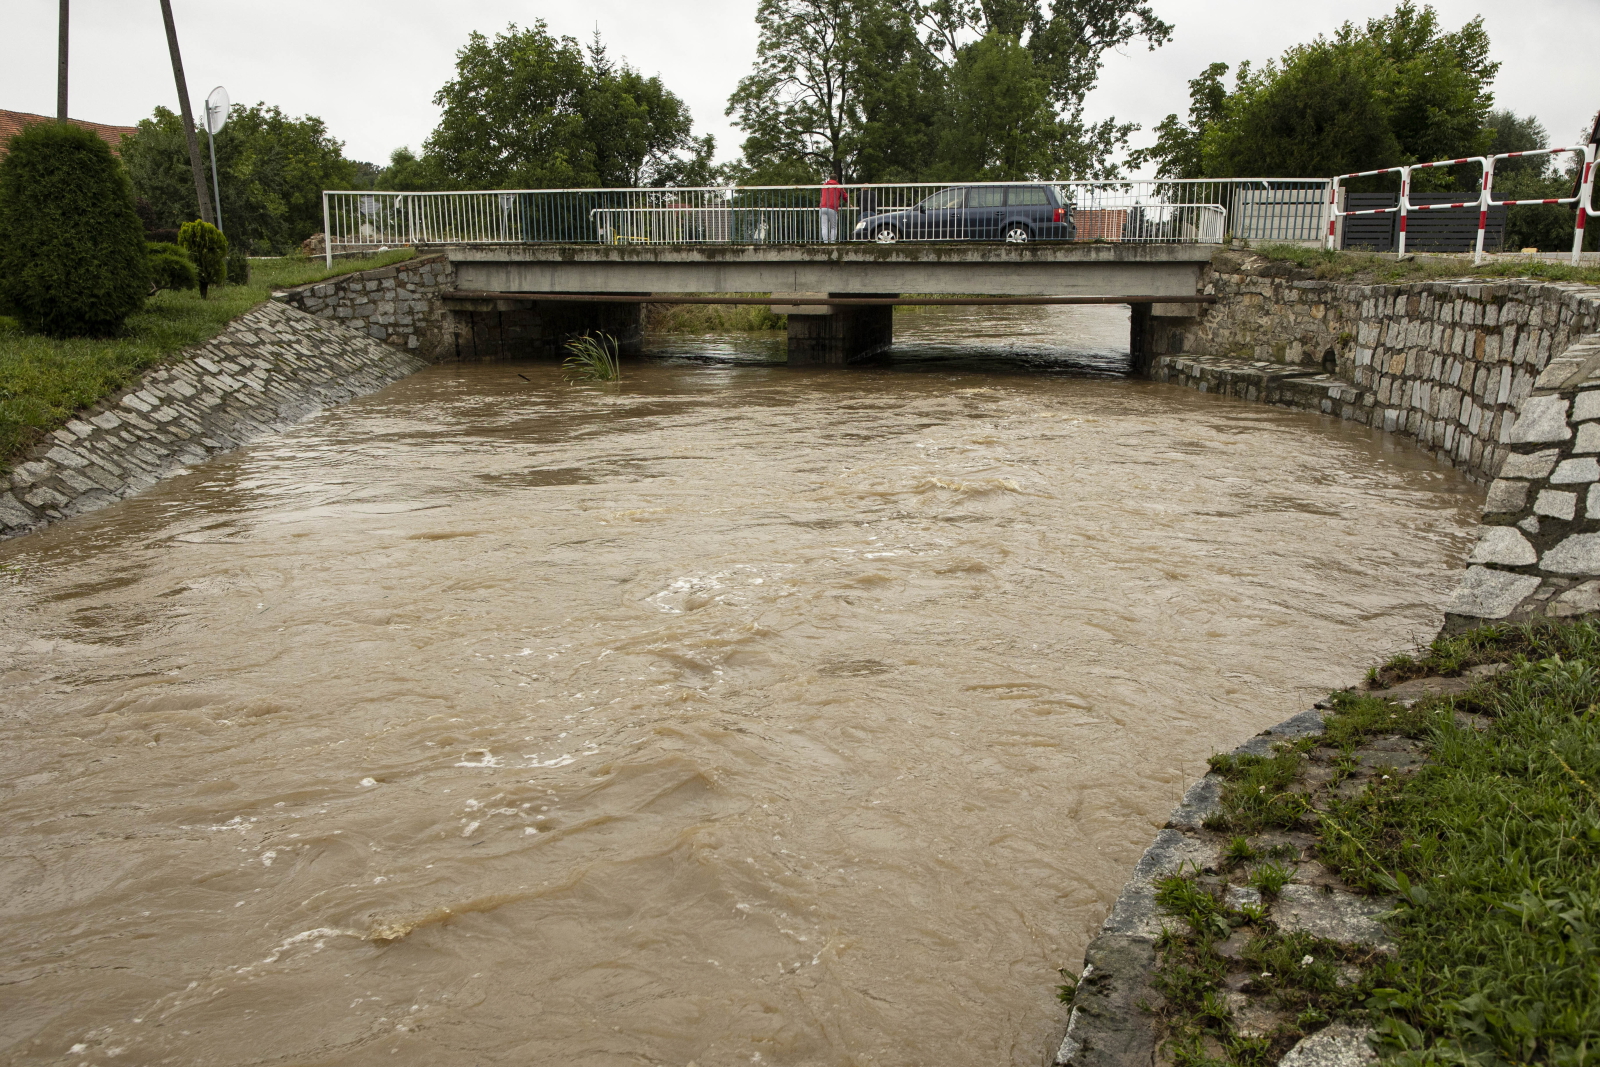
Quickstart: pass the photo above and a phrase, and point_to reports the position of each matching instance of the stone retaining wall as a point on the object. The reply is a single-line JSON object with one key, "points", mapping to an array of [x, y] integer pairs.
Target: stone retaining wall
{"points": [[398, 305], [270, 368], [1442, 362], [1538, 554]]}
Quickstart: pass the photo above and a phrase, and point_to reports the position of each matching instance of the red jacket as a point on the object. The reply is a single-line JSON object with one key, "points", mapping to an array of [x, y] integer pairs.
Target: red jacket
{"points": [[832, 194]]}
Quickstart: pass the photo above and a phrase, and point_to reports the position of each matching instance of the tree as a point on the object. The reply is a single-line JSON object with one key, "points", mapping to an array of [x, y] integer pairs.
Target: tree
{"points": [[529, 110], [72, 249], [947, 90], [1066, 44], [1177, 146], [1319, 114], [408, 174], [208, 250], [1547, 227], [1399, 89], [1001, 126], [272, 168], [799, 107]]}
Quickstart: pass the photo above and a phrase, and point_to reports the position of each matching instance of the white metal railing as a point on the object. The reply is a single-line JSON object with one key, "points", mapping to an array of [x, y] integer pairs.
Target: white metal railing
{"points": [[1583, 201], [1124, 211]]}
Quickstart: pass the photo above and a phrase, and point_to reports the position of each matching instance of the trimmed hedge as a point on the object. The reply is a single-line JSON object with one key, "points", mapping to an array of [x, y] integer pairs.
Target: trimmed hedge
{"points": [[72, 249]]}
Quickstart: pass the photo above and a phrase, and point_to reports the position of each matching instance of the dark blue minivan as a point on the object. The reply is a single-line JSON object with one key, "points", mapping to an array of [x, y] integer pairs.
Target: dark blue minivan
{"points": [[1012, 213]]}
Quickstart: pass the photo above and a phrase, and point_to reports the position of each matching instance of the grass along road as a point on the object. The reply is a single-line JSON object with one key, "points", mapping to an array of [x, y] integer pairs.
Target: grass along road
{"points": [[45, 380]]}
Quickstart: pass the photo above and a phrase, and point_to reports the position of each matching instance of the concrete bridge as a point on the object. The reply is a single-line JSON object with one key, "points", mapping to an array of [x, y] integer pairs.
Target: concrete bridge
{"points": [[523, 298]]}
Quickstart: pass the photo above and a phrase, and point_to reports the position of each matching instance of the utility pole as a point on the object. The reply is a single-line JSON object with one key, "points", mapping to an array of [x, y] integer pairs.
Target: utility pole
{"points": [[61, 69], [201, 193]]}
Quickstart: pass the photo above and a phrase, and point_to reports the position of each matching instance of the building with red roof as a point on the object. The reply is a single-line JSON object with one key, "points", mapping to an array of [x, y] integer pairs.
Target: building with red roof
{"points": [[13, 122]]}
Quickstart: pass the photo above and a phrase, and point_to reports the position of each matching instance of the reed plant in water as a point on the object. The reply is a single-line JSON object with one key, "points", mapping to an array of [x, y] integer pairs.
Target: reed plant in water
{"points": [[593, 359]]}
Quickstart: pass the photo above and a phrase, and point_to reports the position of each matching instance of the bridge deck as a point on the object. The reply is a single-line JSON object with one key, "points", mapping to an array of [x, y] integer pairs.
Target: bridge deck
{"points": [[1108, 270]]}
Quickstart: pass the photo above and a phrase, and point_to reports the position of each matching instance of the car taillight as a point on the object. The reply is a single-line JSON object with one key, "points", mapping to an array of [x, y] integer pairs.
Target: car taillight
{"points": [[1061, 215]]}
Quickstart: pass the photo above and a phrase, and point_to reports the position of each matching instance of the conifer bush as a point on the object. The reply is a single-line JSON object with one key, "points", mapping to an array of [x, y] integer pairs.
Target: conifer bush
{"points": [[209, 250], [238, 267], [72, 248], [170, 267]]}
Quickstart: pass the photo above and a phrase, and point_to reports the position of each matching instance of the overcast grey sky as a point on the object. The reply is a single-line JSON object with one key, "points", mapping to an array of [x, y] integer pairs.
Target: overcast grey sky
{"points": [[370, 69]]}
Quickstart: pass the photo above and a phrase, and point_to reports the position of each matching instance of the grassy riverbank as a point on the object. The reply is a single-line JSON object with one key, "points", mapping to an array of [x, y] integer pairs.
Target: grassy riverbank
{"points": [[1371, 267], [44, 380], [1487, 850]]}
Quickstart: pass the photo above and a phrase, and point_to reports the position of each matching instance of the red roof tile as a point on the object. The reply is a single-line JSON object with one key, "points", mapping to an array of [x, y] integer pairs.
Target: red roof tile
{"points": [[12, 122]]}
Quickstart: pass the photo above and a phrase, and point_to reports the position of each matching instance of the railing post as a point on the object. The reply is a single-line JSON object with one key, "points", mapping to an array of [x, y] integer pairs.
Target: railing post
{"points": [[1484, 200], [1333, 213], [327, 231], [1405, 204], [1585, 194]]}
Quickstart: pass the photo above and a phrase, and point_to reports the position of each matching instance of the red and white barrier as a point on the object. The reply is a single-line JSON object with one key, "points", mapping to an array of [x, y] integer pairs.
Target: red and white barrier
{"points": [[1583, 201]]}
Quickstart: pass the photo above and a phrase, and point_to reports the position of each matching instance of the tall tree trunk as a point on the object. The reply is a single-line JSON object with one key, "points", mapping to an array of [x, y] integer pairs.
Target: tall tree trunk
{"points": [[202, 194], [61, 69]]}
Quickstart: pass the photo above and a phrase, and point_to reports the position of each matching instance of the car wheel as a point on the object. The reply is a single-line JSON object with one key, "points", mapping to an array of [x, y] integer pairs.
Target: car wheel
{"points": [[1018, 234], [886, 235]]}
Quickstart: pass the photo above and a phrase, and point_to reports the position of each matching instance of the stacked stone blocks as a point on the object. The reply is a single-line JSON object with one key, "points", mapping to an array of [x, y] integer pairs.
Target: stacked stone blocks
{"points": [[1443, 362], [270, 368], [397, 305], [1538, 554]]}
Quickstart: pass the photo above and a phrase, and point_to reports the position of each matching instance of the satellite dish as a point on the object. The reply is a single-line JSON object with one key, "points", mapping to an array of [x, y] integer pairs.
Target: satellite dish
{"points": [[217, 109]]}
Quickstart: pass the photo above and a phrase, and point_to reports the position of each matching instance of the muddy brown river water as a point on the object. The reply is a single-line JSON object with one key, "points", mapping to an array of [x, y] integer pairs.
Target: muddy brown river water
{"points": [[734, 715]]}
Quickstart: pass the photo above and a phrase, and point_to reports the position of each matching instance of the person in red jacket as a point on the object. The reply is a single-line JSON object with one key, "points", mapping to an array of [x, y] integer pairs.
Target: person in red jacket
{"points": [[833, 196]]}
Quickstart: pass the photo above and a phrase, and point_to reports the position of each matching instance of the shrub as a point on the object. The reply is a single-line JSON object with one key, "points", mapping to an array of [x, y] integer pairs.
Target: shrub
{"points": [[72, 255], [209, 250], [170, 268], [238, 267]]}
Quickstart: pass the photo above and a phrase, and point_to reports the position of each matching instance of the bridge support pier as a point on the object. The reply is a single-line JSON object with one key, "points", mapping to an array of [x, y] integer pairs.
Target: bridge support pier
{"points": [[820, 334], [517, 328]]}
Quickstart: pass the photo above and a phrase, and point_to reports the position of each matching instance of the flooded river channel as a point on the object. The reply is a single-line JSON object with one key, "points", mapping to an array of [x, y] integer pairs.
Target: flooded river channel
{"points": [[734, 715]]}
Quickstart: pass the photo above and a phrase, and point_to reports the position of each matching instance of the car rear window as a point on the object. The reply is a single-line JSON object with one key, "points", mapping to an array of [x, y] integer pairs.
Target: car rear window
{"points": [[1028, 196], [986, 196]]}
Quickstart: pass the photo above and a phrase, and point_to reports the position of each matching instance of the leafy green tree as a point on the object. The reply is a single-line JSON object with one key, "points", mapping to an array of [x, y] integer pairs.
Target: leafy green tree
{"points": [[799, 107], [1547, 227], [951, 90], [408, 174], [72, 249], [1398, 89], [208, 250], [1319, 114], [1177, 146], [1066, 42], [529, 110], [1001, 124], [272, 168]]}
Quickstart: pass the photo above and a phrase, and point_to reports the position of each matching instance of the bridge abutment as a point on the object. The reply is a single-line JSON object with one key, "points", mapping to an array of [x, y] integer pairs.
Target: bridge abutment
{"points": [[522, 329], [821, 335]]}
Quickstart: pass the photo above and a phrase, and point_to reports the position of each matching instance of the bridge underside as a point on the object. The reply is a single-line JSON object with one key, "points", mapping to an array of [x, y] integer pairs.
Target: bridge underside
{"points": [[836, 297]]}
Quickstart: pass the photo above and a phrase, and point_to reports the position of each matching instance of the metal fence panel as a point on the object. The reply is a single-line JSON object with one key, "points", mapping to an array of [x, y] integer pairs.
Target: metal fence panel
{"points": [[1122, 211]]}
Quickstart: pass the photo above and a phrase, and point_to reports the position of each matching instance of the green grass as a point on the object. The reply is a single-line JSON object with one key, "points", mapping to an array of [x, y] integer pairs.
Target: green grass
{"points": [[1491, 849], [45, 380], [1372, 267]]}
